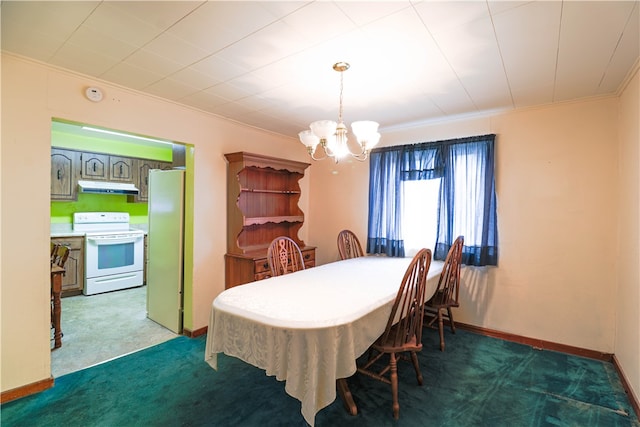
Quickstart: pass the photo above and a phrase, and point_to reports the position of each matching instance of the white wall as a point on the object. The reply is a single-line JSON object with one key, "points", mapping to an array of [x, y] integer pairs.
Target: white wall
{"points": [[31, 95]]}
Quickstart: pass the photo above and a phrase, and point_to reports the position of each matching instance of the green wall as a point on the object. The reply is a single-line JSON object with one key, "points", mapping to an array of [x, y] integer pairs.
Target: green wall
{"points": [[120, 148], [62, 211]]}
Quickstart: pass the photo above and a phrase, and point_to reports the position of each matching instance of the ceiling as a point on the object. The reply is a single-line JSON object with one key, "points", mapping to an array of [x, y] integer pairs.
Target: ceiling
{"points": [[268, 64]]}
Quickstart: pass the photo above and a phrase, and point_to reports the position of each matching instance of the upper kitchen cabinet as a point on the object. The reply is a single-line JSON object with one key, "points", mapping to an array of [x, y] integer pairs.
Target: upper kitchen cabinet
{"points": [[103, 167], [69, 166], [141, 177], [121, 169], [65, 170], [94, 166]]}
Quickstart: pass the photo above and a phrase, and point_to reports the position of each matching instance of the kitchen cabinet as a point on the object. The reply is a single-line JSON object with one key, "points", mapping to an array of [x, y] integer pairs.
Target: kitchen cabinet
{"points": [[73, 279], [65, 170], [141, 177], [103, 167], [121, 169], [94, 166], [69, 166], [262, 204]]}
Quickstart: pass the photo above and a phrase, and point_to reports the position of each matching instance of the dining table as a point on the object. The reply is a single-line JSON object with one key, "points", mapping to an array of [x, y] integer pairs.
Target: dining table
{"points": [[308, 328]]}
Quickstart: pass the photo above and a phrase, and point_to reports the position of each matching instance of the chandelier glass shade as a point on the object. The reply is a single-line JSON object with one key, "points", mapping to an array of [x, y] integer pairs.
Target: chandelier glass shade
{"points": [[332, 136]]}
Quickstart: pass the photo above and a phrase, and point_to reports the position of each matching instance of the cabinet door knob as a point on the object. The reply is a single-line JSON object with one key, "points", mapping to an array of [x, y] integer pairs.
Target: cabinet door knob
{"points": [[307, 256], [265, 265], [59, 174]]}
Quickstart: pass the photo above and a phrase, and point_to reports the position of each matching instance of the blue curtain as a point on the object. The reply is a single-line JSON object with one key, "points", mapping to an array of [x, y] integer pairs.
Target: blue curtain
{"points": [[466, 167], [385, 201]]}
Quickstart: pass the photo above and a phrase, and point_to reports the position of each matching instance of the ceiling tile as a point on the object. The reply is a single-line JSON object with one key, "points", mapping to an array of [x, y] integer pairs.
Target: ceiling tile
{"points": [[90, 40], [622, 60], [169, 46], [204, 100], [362, 13], [218, 68], [194, 78], [112, 20], [217, 24], [157, 14], [446, 16], [83, 60], [582, 29], [529, 49], [129, 75], [161, 65], [171, 89]]}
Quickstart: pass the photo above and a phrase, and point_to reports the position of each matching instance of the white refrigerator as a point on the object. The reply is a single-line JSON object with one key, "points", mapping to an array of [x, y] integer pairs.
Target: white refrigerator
{"points": [[165, 248]]}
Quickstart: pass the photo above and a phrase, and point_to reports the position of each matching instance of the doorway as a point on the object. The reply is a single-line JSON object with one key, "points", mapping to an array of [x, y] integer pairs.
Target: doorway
{"points": [[98, 328]]}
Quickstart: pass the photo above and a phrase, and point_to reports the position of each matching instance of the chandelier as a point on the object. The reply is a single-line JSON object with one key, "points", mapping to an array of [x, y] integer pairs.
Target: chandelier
{"points": [[332, 136]]}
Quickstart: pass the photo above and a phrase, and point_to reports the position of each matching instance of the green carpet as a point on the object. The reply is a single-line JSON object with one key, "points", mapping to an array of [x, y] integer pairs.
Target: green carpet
{"points": [[477, 381]]}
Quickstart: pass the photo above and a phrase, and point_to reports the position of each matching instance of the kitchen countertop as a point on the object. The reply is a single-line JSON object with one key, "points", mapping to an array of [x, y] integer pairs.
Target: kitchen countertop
{"points": [[66, 230]]}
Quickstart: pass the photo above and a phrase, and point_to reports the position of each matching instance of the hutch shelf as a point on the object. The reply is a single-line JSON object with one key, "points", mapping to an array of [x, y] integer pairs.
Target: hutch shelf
{"points": [[262, 204]]}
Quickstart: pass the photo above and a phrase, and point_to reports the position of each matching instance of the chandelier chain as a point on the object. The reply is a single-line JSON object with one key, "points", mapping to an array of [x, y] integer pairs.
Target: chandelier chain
{"points": [[341, 87]]}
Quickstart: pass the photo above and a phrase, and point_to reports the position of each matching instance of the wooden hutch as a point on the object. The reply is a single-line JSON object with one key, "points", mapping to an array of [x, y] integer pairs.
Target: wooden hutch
{"points": [[262, 204]]}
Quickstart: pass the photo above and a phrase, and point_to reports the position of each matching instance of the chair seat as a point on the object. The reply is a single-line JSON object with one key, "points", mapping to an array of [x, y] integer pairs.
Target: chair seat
{"points": [[443, 304], [389, 347]]}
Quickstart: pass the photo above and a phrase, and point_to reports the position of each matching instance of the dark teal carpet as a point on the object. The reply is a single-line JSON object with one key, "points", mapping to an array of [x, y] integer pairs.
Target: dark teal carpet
{"points": [[477, 381]]}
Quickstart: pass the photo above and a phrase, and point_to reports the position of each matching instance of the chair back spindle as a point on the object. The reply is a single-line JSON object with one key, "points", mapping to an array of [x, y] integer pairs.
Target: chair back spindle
{"points": [[284, 256], [349, 245]]}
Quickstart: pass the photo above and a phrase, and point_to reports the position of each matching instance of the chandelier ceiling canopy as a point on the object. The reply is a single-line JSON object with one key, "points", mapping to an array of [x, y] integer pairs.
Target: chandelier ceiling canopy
{"points": [[332, 136]]}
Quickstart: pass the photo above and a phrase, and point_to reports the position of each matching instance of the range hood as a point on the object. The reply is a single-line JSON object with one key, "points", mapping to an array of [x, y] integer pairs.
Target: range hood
{"points": [[103, 187]]}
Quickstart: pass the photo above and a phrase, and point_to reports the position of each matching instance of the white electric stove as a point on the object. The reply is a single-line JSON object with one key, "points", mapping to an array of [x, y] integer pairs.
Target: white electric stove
{"points": [[114, 253]]}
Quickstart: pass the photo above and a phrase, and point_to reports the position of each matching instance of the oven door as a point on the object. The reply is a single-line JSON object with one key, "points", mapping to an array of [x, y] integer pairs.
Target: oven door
{"points": [[117, 253]]}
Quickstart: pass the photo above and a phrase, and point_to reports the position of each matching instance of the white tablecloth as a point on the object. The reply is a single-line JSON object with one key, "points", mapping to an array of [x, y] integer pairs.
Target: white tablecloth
{"points": [[308, 328]]}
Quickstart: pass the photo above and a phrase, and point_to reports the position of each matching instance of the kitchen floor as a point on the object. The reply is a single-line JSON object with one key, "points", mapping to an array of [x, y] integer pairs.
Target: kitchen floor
{"points": [[102, 327]]}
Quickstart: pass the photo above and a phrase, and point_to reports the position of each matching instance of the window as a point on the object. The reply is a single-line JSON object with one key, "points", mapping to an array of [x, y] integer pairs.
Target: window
{"points": [[402, 180], [420, 215]]}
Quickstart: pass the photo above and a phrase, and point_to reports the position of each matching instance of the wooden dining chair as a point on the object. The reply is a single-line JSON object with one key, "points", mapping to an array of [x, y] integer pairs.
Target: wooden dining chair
{"points": [[284, 256], [349, 245], [438, 308], [403, 333], [59, 256]]}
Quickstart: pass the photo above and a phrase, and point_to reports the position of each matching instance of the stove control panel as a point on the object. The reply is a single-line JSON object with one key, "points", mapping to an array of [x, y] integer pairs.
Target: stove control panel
{"points": [[100, 221], [100, 217]]}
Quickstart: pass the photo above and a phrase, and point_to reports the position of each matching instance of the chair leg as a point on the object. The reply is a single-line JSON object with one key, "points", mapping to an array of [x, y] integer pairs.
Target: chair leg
{"points": [[416, 366], [441, 329], [451, 323], [393, 363]]}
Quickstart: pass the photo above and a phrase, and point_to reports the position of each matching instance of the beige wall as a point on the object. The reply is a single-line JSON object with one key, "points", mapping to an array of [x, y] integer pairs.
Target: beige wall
{"points": [[627, 342], [558, 191], [31, 95]]}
